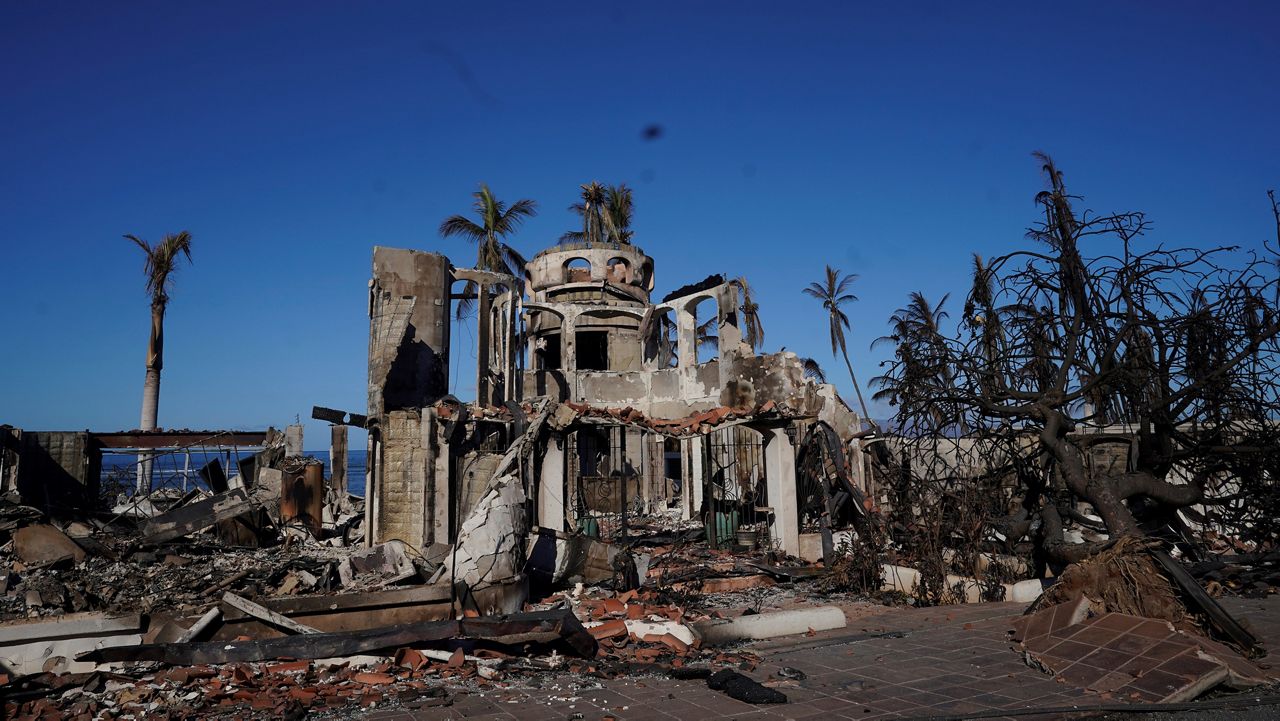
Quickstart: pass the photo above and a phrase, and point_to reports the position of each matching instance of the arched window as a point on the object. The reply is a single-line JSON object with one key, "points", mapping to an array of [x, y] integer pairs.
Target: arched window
{"points": [[661, 339], [618, 270], [706, 329], [577, 270]]}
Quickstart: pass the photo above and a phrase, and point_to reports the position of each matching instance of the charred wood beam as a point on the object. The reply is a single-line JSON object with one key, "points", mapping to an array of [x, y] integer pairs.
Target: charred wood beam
{"points": [[517, 629], [178, 439], [339, 418], [197, 516]]}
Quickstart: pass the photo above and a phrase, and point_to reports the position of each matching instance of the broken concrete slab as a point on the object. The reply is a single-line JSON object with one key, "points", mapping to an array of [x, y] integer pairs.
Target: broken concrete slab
{"points": [[40, 545], [42, 645], [389, 560], [769, 625]]}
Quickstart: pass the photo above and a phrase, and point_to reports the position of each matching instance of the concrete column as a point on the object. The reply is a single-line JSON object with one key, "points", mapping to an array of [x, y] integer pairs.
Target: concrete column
{"points": [[338, 459], [729, 333], [686, 337], [513, 381], [697, 475], [551, 500], [856, 468], [569, 343], [372, 487], [293, 440], [780, 470], [484, 326], [438, 466]]}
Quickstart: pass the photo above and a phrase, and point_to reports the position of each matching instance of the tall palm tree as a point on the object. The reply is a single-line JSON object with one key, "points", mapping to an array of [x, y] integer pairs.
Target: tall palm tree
{"points": [[497, 221], [606, 212], [161, 261], [834, 290], [619, 206], [922, 360]]}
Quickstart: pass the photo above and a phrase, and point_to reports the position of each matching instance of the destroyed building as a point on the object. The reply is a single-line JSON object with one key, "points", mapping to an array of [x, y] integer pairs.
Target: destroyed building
{"points": [[598, 410], [630, 484]]}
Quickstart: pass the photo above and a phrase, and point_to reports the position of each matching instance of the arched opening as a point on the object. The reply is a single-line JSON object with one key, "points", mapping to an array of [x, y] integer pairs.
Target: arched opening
{"points": [[706, 330], [463, 317], [661, 339], [502, 327], [618, 270], [577, 270], [547, 346]]}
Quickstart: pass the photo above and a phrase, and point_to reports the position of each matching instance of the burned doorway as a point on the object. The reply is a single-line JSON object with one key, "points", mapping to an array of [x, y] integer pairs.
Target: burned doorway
{"points": [[736, 509], [607, 489], [592, 350]]}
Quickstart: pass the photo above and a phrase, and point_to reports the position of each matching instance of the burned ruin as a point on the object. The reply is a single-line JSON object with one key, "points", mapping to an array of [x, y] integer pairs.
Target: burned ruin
{"points": [[634, 483]]}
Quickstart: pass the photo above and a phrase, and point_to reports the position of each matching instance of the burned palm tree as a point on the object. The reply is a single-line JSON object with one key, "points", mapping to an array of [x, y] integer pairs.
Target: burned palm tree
{"points": [[835, 292], [591, 209], [497, 221], [161, 262], [812, 370], [920, 350], [619, 206]]}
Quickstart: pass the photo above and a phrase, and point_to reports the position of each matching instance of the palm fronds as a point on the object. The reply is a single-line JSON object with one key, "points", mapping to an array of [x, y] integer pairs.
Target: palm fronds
{"points": [[161, 262]]}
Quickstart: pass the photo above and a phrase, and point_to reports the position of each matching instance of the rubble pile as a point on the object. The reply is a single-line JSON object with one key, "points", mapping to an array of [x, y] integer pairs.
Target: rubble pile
{"points": [[1132, 624], [105, 622], [1251, 575]]}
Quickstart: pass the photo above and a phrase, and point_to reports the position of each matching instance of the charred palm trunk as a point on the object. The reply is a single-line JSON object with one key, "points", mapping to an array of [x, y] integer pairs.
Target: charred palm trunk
{"points": [[856, 388], [151, 391]]}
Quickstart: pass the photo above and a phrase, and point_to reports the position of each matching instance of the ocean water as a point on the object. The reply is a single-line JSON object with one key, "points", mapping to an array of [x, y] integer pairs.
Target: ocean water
{"points": [[180, 470]]}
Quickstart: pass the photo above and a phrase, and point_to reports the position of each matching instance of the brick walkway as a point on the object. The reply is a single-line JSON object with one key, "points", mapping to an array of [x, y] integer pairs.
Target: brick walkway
{"points": [[951, 661]]}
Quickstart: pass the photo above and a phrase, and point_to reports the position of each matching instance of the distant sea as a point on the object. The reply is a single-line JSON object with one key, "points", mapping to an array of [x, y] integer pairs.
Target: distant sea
{"points": [[172, 469]]}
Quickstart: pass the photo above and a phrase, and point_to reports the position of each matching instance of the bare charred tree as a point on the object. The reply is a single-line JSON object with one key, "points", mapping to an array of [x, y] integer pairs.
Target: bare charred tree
{"points": [[1093, 344]]}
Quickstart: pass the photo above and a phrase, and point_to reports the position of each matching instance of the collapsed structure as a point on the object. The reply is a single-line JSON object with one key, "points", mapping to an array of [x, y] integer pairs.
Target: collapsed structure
{"points": [[598, 410], [623, 460]]}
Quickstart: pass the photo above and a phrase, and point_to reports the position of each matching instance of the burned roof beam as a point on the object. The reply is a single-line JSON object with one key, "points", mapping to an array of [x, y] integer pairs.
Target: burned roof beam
{"points": [[339, 418], [178, 439]]}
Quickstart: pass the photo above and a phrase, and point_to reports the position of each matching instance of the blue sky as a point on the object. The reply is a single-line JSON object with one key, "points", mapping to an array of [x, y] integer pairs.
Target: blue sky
{"points": [[289, 138]]}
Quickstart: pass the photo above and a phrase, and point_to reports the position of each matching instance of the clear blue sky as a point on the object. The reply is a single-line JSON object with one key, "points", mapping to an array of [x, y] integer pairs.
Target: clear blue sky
{"points": [[291, 138]]}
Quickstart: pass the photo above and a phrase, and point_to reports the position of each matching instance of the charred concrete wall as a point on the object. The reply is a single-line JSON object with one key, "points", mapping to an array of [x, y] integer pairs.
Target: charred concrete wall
{"points": [[404, 493], [408, 329], [10, 445], [58, 471], [408, 369], [739, 382]]}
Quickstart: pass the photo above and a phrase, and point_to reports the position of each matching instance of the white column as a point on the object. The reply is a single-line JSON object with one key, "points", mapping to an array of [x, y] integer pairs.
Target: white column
{"points": [[438, 466], [696, 476], [780, 468], [293, 440], [551, 499], [686, 337]]}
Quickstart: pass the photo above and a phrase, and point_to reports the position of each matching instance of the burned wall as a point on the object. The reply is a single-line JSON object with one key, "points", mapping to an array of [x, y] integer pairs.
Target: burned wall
{"points": [[408, 329], [58, 471]]}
